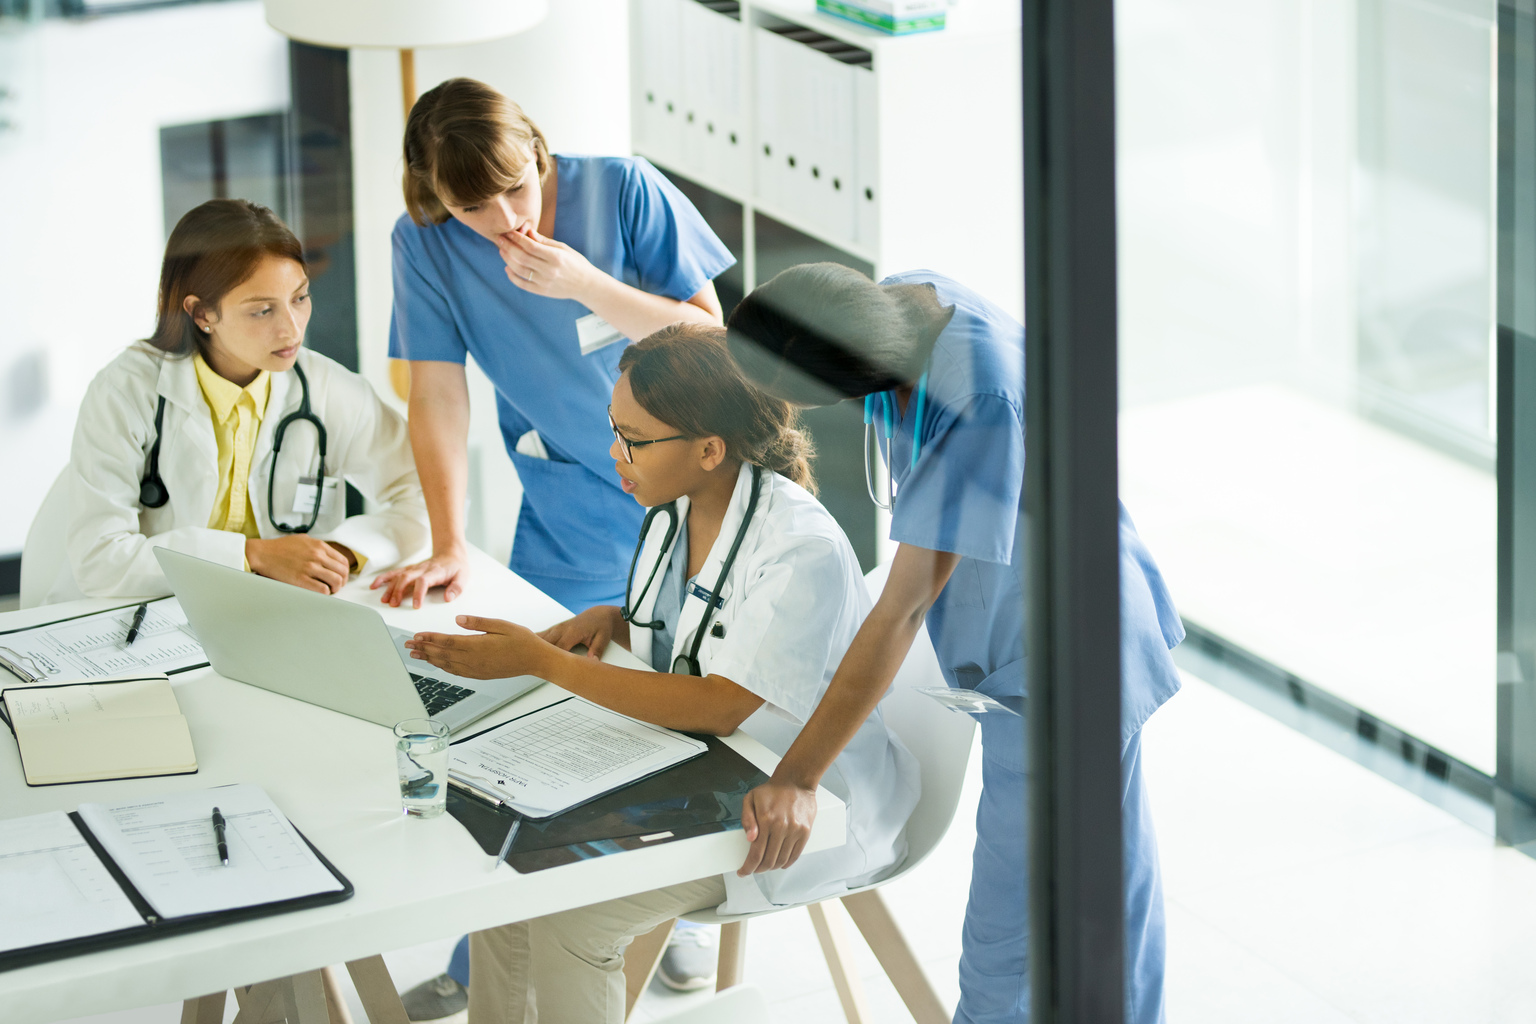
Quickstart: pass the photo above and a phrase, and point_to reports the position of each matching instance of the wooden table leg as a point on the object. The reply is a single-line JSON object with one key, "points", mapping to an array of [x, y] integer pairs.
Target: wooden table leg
{"points": [[335, 1002], [308, 998], [901, 965], [376, 991], [261, 1003], [207, 1009], [640, 961], [733, 955], [839, 953]]}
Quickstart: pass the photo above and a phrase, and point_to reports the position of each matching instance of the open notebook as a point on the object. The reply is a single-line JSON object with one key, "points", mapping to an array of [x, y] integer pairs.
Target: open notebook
{"points": [[113, 874], [98, 729]]}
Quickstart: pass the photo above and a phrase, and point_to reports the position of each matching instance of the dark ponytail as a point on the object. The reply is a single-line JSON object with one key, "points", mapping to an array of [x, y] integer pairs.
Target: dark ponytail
{"points": [[684, 376]]}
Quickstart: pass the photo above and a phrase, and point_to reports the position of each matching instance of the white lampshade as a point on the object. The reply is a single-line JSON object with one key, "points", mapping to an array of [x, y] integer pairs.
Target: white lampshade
{"points": [[402, 24]]}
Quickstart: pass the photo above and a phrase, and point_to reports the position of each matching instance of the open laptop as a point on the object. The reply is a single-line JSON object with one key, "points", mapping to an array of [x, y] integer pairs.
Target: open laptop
{"points": [[321, 650]]}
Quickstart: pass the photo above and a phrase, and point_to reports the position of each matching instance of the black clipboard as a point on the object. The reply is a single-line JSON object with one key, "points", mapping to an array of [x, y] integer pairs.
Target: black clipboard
{"points": [[697, 797], [154, 926], [85, 615]]}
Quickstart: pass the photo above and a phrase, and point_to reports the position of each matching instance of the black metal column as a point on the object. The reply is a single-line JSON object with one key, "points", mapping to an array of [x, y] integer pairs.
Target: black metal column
{"points": [[1076, 918], [1516, 462]]}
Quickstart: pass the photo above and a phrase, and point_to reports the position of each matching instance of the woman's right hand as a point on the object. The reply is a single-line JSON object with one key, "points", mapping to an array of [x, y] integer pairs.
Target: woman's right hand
{"points": [[300, 560], [594, 627], [449, 570]]}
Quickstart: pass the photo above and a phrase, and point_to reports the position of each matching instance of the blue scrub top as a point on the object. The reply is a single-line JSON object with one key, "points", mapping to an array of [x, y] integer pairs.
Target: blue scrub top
{"points": [[966, 495], [453, 299]]}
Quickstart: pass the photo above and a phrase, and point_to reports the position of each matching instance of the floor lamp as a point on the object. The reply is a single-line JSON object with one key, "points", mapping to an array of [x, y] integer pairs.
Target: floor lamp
{"points": [[404, 25]]}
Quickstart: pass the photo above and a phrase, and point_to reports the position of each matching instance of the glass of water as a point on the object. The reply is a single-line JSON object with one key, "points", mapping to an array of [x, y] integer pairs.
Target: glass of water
{"points": [[421, 756]]}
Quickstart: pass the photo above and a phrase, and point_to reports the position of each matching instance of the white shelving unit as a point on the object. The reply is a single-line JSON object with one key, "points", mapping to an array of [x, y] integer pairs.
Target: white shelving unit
{"points": [[904, 152]]}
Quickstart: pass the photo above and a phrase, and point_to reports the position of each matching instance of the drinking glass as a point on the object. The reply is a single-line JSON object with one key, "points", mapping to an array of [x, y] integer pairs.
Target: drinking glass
{"points": [[421, 756]]}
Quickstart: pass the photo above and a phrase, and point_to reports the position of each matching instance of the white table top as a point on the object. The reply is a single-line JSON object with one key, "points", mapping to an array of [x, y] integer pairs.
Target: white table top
{"points": [[416, 881]]}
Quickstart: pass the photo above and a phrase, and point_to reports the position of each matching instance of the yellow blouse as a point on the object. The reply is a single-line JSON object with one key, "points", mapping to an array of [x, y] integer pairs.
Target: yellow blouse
{"points": [[237, 414]]}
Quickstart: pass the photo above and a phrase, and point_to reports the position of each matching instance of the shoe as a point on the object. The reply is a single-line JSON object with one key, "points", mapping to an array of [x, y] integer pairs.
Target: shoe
{"points": [[437, 999], [690, 960]]}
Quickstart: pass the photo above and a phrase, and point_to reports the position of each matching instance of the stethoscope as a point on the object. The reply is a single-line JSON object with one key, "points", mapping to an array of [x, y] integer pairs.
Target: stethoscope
{"points": [[887, 403], [683, 664], [153, 492]]}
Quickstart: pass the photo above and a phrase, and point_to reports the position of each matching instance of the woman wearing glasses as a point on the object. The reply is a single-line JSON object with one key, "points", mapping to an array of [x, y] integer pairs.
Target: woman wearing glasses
{"points": [[744, 596]]}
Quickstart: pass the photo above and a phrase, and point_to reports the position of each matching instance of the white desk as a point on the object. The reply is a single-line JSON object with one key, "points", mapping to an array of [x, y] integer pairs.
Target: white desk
{"points": [[416, 881]]}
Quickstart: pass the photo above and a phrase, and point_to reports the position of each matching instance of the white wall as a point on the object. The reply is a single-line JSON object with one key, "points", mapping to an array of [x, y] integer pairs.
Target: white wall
{"points": [[83, 224], [571, 75]]}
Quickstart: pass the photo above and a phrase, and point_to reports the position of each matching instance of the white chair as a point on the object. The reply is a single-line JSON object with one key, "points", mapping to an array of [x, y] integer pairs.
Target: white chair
{"points": [[44, 563], [941, 742]]}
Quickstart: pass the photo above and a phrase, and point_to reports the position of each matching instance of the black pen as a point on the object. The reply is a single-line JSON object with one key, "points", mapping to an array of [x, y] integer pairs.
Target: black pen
{"points": [[218, 835], [138, 620]]}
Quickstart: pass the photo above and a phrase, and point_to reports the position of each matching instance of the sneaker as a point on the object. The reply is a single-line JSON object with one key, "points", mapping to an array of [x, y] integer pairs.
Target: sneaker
{"points": [[437, 999], [690, 960]]}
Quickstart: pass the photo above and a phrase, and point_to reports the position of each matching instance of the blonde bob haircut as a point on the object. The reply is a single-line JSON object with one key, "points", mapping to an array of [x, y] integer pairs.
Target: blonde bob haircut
{"points": [[466, 142]]}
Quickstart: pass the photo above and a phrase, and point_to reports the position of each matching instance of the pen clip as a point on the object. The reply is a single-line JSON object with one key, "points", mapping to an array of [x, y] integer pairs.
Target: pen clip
{"points": [[12, 661]]}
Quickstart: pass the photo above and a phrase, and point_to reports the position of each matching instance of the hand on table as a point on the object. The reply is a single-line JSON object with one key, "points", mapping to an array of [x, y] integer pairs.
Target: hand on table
{"points": [[777, 818], [449, 570], [500, 649], [594, 627], [546, 267], [300, 560]]}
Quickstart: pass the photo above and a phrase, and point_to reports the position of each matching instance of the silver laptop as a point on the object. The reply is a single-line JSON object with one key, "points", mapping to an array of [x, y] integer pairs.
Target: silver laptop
{"points": [[315, 648]]}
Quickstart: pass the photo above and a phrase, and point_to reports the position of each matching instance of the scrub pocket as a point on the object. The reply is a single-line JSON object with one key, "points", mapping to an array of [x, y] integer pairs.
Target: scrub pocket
{"points": [[1002, 736], [573, 525]]}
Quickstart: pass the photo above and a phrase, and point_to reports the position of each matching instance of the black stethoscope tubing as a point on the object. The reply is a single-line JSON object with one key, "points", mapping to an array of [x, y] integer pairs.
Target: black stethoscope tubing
{"points": [[153, 492], [685, 664]]}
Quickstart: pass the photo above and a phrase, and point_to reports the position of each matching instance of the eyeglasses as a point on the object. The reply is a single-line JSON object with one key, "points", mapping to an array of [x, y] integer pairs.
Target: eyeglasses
{"points": [[628, 447]]}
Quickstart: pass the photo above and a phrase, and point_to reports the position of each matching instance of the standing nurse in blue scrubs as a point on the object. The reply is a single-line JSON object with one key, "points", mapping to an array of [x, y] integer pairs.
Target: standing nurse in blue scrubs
{"points": [[540, 266], [941, 372]]}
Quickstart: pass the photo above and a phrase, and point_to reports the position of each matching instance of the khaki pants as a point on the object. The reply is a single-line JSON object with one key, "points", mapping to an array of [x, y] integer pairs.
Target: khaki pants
{"points": [[572, 963]]}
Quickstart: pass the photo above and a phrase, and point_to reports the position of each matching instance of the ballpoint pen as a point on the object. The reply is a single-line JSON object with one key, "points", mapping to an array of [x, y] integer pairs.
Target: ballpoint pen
{"points": [[506, 844], [138, 620], [218, 835]]}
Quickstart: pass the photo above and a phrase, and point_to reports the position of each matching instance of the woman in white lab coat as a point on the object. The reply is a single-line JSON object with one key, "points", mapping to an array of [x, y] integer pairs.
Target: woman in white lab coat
{"points": [[721, 467], [176, 438]]}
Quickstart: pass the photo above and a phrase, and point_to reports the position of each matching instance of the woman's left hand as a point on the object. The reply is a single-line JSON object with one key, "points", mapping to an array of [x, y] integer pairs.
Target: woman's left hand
{"points": [[546, 267], [502, 649]]}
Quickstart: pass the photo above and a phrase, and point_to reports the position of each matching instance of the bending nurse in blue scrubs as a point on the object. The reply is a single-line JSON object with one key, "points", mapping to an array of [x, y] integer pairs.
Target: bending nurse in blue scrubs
{"points": [[539, 266], [941, 372], [542, 267]]}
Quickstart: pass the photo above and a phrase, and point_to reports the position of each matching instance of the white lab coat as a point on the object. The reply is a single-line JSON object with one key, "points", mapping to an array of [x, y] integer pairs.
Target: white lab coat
{"points": [[111, 537], [793, 602]]}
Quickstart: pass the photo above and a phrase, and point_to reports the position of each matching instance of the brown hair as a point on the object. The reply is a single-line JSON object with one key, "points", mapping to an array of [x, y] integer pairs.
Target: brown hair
{"points": [[213, 249], [684, 376], [465, 142]]}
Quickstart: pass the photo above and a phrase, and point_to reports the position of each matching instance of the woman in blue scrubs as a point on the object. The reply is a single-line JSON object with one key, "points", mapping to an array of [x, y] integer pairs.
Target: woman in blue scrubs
{"points": [[540, 266], [941, 371]]}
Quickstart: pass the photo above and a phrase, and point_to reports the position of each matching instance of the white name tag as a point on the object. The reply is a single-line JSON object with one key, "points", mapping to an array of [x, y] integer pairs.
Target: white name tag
{"points": [[594, 333], [304, 497]]}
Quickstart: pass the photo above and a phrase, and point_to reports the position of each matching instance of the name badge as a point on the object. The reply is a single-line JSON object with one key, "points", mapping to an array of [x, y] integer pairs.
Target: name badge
{"points": [[594, 333], [304, 497], [704, 595]]}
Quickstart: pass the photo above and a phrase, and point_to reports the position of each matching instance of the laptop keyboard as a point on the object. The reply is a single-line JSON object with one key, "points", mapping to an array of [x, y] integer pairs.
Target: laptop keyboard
{"points": [[437, 695]]}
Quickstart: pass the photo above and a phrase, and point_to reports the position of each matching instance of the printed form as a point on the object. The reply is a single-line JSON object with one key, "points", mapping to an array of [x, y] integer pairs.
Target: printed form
{"points": [[93, 646], [564, 755], [53, 887], [167, 849]]}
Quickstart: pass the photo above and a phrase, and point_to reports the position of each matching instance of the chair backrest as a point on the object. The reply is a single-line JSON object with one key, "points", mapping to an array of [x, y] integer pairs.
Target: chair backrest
{"points": [[739, 1004], [43, 557], [940, 739]]}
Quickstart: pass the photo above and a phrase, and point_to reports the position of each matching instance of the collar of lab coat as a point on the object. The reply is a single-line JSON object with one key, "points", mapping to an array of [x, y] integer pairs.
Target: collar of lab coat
{"points": [[177, 383], [693, 607]]}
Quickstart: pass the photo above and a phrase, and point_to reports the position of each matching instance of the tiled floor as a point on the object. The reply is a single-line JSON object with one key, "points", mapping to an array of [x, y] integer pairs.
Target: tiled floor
{"points": [[1301, 888]]}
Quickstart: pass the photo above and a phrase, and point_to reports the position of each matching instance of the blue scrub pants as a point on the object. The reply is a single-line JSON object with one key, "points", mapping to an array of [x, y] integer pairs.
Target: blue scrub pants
{"points": [[994, 958]]}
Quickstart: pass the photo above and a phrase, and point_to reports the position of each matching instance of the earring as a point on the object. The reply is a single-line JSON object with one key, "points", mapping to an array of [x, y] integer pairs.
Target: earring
{"points": [[207, 330]]}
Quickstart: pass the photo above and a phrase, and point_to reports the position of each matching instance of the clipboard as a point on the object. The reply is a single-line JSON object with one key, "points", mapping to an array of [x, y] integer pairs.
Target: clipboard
{"points": [[156, 927]]}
